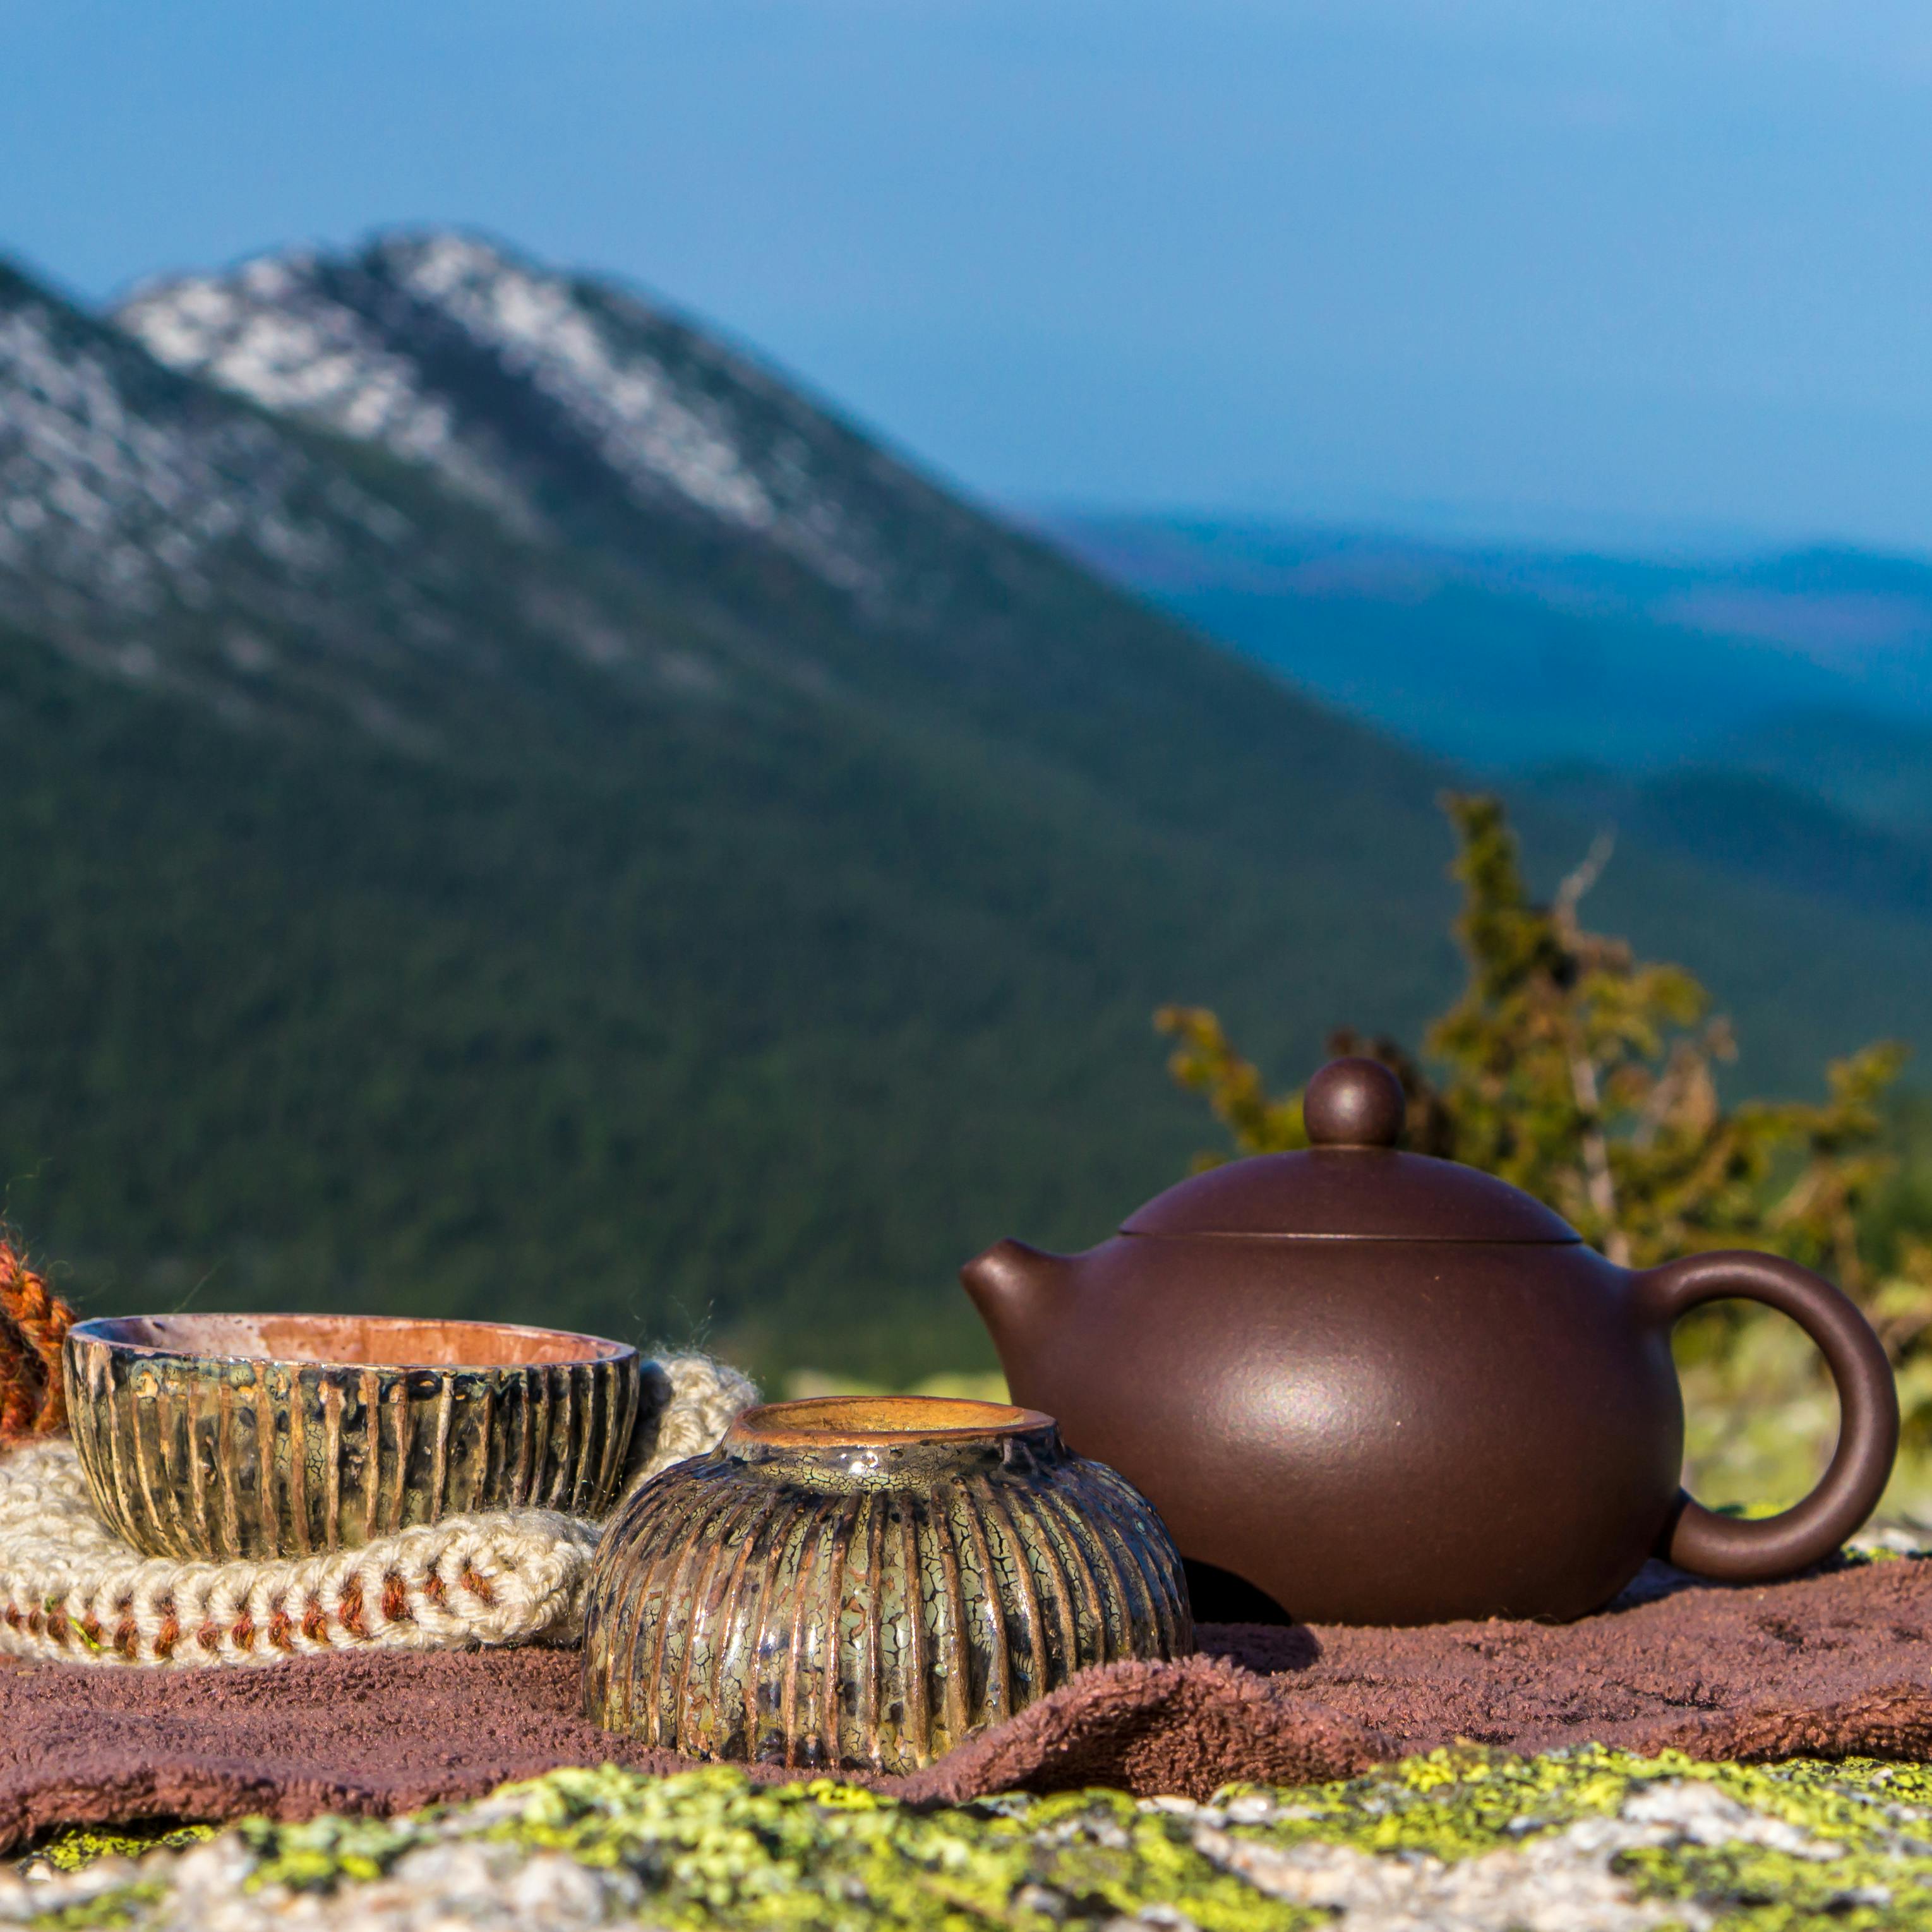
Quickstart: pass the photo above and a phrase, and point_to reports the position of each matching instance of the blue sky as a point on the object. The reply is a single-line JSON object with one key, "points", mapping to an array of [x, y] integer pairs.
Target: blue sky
{"points": [[1568, 269]]}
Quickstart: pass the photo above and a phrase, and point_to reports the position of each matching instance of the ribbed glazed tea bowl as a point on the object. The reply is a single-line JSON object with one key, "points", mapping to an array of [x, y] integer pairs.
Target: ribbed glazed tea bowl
{"points": [[864, 1583], [251, 1436]]}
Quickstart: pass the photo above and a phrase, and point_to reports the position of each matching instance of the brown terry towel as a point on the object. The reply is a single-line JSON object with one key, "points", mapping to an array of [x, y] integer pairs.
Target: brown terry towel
{"points": [[1833, 1666]]}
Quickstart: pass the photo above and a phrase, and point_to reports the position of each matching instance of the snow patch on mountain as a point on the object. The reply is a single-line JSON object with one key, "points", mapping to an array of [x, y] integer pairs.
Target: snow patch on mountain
{"points": [[622, 394], [267, 334], [361, 345], [114, 505]]}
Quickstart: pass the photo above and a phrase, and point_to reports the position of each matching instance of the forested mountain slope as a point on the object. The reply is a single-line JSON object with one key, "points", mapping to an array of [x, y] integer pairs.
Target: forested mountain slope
{"points": [[511, 807]]}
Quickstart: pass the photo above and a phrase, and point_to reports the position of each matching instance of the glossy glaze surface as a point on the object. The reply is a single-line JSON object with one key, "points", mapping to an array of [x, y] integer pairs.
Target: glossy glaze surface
{"points": [[1375, 1388], [863, 1584], [221, 1436]]}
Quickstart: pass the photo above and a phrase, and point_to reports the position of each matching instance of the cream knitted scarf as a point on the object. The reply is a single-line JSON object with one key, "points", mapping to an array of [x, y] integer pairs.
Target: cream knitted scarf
{"points": [[70, 1590]]}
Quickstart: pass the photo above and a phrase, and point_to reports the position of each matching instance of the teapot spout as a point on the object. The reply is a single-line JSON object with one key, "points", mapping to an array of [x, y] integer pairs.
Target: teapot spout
{"points": [[1011, 1286]]}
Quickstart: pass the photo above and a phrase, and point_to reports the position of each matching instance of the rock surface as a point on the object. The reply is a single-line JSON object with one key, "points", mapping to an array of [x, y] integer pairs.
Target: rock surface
{"points": [[1585, 1841]]}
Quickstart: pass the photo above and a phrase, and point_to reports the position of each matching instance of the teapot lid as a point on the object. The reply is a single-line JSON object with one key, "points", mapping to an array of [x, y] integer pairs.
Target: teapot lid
{"points": [[1351, 1183]]}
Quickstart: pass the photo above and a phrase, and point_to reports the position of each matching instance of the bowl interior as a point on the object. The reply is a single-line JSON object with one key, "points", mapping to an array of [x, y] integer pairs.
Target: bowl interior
{"points": [[360, 1341], [824, 1419]]}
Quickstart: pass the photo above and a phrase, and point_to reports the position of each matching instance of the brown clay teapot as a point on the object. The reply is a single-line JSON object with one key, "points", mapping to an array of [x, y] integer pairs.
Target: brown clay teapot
{"points": [[1376, 1387]]}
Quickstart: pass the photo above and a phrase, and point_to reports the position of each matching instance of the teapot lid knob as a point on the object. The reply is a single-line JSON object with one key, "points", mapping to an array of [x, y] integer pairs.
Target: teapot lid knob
{"points": [[1354, 1102]]}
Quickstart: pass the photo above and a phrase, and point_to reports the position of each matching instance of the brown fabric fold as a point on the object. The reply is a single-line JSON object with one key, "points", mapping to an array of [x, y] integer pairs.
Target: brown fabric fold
{"points": [[1831, 1666]]}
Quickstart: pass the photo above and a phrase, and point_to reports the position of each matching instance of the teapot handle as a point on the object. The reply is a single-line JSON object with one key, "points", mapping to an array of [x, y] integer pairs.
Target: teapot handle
{"points": [[1749, 1550]]}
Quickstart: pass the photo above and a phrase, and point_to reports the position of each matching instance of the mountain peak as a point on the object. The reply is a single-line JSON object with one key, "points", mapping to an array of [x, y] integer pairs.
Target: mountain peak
{"points": [[548, 398], [277, 329], [122, 487]]}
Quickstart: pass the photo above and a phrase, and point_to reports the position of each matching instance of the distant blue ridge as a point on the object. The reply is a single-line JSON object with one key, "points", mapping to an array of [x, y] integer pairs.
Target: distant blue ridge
{"points": [[1504, 659]]}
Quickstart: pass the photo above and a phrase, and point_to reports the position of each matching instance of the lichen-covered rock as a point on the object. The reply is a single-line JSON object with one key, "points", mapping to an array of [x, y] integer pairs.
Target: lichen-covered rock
{"points": [[1585, 1841]]}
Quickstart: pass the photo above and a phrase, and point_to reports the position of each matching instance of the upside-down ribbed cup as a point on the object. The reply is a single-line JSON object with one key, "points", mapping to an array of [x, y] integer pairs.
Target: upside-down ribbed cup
{"points": [[241, 1435], [862, 1584]]}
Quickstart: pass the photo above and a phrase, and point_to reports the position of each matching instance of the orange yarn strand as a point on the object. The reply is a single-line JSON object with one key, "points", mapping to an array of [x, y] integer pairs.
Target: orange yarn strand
{"points": [[33, 1323], [18, 1387]]}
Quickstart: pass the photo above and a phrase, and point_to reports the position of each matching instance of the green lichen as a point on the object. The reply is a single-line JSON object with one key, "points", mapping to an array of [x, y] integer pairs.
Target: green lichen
{"points": [[1460, 1802], [126, 1905], [1877, 1819], [1868, 1863], [713, 1849], [323, 1853], [74, 1847], [1848, 1842], [1752, 1889]]}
